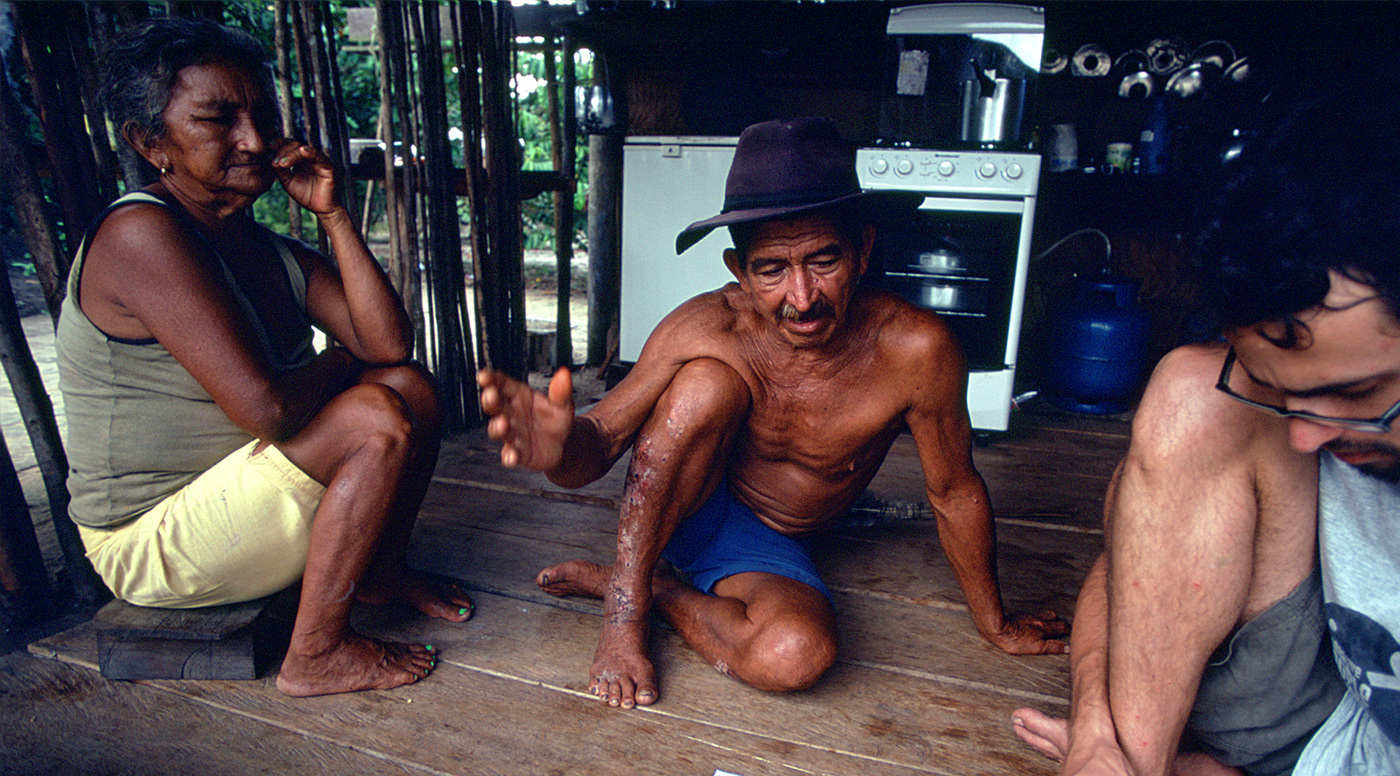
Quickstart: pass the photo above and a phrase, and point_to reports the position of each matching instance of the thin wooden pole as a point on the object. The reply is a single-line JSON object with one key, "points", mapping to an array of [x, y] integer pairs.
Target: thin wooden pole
{"points": [[27, 196], [282, 41], [60, 116], [505, 319], [563, 217], [81, 39], [453, 368], [330, 115], [37, 410], [135, 172], [28, 595], [416, 199], [469, 97], [312, 125]]}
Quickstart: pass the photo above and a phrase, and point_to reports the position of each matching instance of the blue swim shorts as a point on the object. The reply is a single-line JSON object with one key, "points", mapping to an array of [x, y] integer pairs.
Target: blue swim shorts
{"points": [[724, 537]]}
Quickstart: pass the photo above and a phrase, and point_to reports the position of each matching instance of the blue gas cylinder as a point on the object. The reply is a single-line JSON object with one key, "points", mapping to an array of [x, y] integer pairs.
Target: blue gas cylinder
{"points": [[1098, 347]]}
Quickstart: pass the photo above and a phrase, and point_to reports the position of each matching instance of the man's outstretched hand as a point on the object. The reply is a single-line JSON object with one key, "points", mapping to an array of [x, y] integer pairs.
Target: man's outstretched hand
{"points": [[532, 427]]}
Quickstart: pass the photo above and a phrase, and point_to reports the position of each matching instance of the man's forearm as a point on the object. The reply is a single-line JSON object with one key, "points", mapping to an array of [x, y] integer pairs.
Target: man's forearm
{"points": [[1090, 717], [969, 542], [587, 455]]}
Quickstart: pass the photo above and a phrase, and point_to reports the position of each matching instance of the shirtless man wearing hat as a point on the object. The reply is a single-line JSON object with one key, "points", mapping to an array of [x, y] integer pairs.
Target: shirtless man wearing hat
{"points": [[757, 413]]}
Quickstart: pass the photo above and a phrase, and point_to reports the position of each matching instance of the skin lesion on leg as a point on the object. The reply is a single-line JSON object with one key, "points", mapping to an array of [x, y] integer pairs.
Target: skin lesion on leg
{"points": [[767, 631]]}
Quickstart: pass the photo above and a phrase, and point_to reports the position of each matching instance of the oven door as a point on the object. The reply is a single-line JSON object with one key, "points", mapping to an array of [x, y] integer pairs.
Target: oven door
{"points": [[964, 258]]}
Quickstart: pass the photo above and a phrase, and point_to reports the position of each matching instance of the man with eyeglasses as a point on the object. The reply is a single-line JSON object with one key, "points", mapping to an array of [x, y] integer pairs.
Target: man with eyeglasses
{"points": [[1205, 614]]}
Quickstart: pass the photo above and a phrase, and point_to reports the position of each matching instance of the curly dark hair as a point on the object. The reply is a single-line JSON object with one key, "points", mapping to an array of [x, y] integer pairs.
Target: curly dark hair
{"points": [[1318, 192], [144, 63]]}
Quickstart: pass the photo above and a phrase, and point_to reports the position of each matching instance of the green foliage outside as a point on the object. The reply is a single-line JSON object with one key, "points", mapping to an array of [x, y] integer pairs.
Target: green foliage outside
{"points": [[532, 115], [360, 83]]}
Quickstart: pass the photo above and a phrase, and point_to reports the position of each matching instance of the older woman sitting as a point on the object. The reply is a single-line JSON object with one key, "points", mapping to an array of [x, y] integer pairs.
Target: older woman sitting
{"points": [[216, 456]]}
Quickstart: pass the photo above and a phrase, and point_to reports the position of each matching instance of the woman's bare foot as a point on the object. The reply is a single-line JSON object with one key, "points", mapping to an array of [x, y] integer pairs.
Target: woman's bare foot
{"points": [[445, 601], [354, 663], [575, 577]]}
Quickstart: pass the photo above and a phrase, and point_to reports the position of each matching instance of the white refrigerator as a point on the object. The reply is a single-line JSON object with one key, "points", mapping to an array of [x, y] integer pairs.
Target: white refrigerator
{"points": [[668, 183]]}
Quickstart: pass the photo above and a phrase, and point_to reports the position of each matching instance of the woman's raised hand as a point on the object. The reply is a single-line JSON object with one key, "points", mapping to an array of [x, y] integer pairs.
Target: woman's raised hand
{"points": [[307, 175]]}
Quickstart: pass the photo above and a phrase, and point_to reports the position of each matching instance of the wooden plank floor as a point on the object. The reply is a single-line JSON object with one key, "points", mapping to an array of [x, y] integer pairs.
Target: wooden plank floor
{"points": [[915, 690]]}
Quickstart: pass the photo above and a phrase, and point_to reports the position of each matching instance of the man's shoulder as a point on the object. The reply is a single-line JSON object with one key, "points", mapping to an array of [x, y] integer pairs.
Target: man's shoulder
{"points": [[906, 330], [703, 325], [711, 310], [1181, 412]]}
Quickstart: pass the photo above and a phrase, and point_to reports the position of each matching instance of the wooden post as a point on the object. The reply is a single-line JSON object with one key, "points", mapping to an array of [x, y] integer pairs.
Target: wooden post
{"points": [[330, 117], [283, 43], [405, 190], [30, 394], [454, 367], [563, 210], [37, 411], [312, 127], [386, 23], [53, 82], [468, 47], [604, 244], [104, 160], [135, 171], [27, 196], [27, 592], [505, 319]]}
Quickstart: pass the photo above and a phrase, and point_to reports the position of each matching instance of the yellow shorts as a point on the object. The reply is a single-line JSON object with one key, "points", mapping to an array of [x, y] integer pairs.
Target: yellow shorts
{"points": [[239, 531]]}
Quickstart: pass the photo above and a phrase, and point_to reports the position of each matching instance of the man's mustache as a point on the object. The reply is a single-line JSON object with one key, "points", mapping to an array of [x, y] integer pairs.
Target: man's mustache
{"points": [[819, 309]]}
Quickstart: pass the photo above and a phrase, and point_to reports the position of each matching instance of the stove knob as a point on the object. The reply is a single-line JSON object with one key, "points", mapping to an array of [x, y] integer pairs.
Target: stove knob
{"points": [[879, 166], [987, 170], [1013, 171], [946, 168], [904, 167]]}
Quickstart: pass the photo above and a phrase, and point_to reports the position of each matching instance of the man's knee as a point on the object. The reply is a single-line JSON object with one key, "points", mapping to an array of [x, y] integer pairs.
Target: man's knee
{"points": [[706, 394], [790, 654]]}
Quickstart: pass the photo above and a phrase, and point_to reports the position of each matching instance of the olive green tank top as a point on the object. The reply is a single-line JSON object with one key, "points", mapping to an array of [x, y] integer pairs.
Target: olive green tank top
{"points": [[140, 427]]}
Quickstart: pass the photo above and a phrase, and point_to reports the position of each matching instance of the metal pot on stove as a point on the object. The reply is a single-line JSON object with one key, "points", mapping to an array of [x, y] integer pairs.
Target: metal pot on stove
{"points": [[940, 261], [991, 107]]}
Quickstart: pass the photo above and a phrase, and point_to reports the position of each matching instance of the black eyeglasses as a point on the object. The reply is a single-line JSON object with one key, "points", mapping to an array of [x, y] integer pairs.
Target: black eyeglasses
{"points": [[1380, 425]]}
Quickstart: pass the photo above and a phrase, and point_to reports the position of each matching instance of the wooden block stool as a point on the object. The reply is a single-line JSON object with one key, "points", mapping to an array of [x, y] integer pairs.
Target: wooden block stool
{"points": [[214, 642]]}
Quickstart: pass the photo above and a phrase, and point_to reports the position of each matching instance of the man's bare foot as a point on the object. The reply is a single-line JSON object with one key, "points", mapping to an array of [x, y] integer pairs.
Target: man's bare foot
{"points": [[355, 663], [622, 674], [1047, 735], [445, 601], [575, 577], [1050, 736]]}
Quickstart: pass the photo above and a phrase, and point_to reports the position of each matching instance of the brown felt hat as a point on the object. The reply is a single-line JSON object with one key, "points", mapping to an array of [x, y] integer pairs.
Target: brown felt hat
{"points": [[786, 168]]}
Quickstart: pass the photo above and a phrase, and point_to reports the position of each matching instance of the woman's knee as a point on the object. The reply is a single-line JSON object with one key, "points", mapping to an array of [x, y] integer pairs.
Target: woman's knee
{"points": [[376, 414], [417, 388]]}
